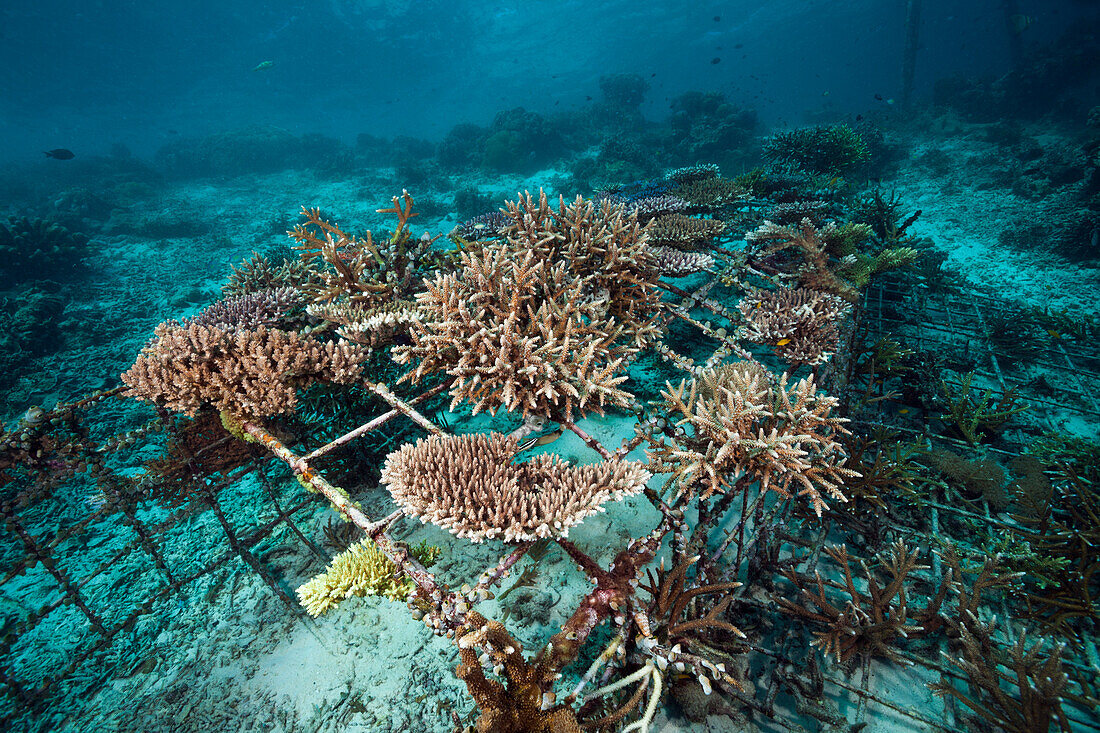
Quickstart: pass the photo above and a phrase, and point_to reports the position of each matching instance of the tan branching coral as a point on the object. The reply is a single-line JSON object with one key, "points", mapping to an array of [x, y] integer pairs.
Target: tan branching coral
{"points": [[603, 249], [744, 422], [470, 486], [360, 570], [811, 243], [359, 269], [800, 324], [522, 334], [252, 372], [517, 706]]}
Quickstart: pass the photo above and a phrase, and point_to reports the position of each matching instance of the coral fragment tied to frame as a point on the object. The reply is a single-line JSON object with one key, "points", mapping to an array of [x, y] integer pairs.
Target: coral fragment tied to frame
{"points": [[746, 423], [470, 486]]}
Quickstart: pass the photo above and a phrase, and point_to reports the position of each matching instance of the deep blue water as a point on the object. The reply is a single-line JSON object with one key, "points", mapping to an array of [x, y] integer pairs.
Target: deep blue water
{"points": [[89, 75]]}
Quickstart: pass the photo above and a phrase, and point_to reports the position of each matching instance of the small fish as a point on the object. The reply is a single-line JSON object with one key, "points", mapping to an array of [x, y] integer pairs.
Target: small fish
{"points": [[859, 118], [782, 342], [588, 97], [716, 60], [60, 154], [890, 100], [718, 19], [263, 66], [825, 93], [539, 440], [878, 97], [739, 45], [1054, 334], [1020, 22], [903, 411]]}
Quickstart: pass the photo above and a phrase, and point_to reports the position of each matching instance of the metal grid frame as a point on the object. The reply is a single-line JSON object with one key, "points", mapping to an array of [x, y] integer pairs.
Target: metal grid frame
{"points": [[963, 317]]}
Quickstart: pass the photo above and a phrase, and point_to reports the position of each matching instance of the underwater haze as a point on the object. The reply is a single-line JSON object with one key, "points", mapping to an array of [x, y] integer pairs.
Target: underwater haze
{"points": [[550, 367], [90, 76]]}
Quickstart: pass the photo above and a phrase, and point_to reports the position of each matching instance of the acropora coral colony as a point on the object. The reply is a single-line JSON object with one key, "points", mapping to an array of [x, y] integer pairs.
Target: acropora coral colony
{"points": [[539, 309]]}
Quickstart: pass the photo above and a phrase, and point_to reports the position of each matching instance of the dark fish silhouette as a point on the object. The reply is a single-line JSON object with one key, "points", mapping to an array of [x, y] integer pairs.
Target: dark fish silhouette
{"points": [[715, 60], [717, 18], [60, 154]]}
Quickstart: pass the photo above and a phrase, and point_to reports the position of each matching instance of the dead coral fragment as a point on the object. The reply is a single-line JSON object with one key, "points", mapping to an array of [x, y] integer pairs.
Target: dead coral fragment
{"points": [[248, 372], [361, 570], [743, 423], [470, 486]]}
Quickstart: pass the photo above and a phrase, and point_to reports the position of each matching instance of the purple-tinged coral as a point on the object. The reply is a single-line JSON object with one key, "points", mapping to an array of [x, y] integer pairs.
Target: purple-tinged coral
{"points": [[800, 324], [240, 312], [674, 263], [484, 226], [648, 207]]}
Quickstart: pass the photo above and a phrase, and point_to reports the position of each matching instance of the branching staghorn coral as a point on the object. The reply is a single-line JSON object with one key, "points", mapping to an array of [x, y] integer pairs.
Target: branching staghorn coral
{"points": [[677, 620], [253, 372], [483, 226], [1036, 673], [745, 422], [859, 268], [974, 414], [827, 149], [522, 334], [708, 194], [866, 624], [792, 212], [471, 486], [360, 270], [1060, 520], [815, 272], [519, 706], [645, 207], [800, 324], [603, 249], [361, 570]]}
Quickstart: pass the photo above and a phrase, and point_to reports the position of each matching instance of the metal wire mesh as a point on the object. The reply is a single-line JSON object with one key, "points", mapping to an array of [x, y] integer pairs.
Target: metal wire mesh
{"points": [[68, 477]]}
